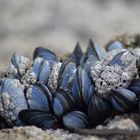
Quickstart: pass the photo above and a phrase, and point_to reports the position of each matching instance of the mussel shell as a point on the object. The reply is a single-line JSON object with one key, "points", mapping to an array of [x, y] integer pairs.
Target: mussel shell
{"points": [[41, 69], [44, 73], [135, 86], [66, 74], [82, 88], [75, 119], [98, 110], [115, 45], [63, 103], [37, 65], [19, 64], [96, 50], [3, 124], [123, 100], [38, 118], [15, 60], [76, 93], [45, 54], [39, 97], [77, 55], [94, 53], [12, 100], [117, 59]]}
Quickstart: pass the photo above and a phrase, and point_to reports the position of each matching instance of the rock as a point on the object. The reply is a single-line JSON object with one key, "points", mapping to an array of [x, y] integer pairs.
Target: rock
{"points": [[34, 133], [126, 124], [120, 122]]}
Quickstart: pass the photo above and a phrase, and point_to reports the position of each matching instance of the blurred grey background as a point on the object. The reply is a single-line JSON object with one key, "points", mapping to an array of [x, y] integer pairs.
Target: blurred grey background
{"points": [[59, 24]]}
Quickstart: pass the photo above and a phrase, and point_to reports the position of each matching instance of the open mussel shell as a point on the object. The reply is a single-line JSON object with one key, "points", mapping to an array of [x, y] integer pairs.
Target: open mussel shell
{"points": [[12, 101], [98, 110], [39, 97], [38, 118], [75, 119], [77, 55], [66, 74], [135, 86], [115, 45], [63, 103], [94, 53], [45, 54], [123, 100]]}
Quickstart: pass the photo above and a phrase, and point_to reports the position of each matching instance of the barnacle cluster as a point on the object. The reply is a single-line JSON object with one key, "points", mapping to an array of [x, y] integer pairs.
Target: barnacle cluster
{"points": [[80, 91]]}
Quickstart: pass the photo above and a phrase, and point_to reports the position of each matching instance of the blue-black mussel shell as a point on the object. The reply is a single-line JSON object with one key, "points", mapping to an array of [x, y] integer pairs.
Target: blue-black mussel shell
{"points": [[41, 119], [77, 55], [40, 97], [83, 88], [123, 100], [75, 119], [115, 45], [135, 86], [98, 110], [93, 54], [45, 54], [63, 103], [66, 74], [12, 100]]}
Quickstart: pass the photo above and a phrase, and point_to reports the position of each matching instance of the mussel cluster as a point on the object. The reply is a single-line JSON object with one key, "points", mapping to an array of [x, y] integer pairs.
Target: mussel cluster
{"points": [[80, 91]]}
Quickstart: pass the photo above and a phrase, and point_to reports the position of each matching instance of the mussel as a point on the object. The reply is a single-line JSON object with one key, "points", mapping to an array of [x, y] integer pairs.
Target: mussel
{"points": [[77, 55], [123, 100], [135, 86], [93, 54], [12, 101], [39, 97], [75, 119], [63, 103], [41, 119], [80, 91], [66, 74], [19, 65], [115, 45], [98, 110]]}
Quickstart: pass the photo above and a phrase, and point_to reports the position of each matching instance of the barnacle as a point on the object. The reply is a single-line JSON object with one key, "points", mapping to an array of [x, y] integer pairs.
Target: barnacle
{"points": [[80, 91]]}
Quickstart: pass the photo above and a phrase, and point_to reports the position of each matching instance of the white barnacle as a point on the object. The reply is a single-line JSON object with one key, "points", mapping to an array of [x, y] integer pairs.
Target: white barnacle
{"points": [[113, 76], [96, 69], [29, 78], [7, 108], [12, 70], [53, 77], [24, 65], [29, 93], [128, 58], [17, 84], [19, 65]]}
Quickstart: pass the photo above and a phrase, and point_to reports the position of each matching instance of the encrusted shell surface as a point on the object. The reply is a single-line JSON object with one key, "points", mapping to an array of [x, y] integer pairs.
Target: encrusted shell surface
{"points": [[117, 70]]}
